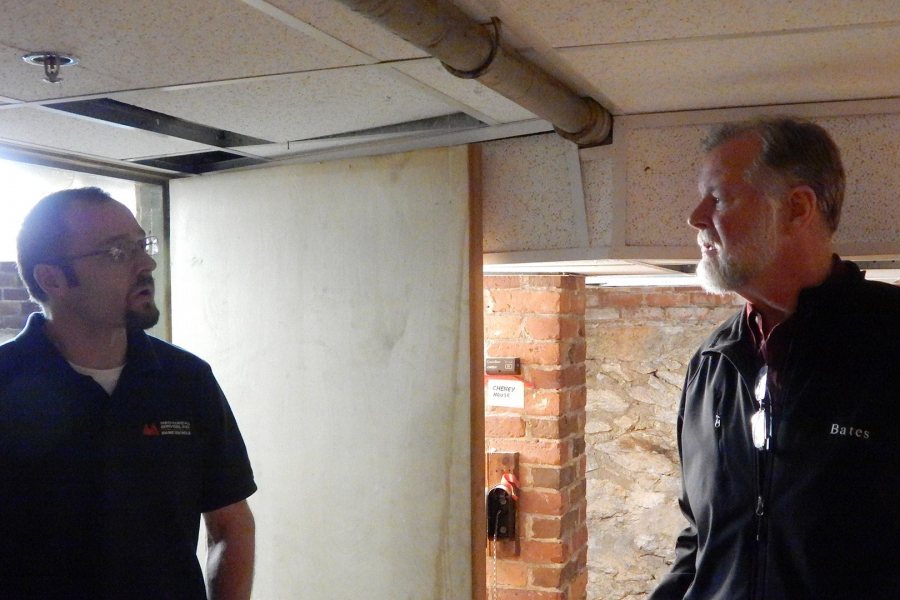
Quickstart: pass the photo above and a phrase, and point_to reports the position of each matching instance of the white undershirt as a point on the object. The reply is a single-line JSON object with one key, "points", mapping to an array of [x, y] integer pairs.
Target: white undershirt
{"points": [[107, 378]]}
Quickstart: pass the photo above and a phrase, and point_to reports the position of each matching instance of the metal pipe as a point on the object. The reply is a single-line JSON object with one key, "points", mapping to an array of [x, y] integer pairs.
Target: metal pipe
{"points": [[471, 50]]}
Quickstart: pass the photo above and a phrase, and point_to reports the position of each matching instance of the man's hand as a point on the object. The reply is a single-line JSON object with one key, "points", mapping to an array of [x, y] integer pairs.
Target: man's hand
{"points": [[230, 533]]}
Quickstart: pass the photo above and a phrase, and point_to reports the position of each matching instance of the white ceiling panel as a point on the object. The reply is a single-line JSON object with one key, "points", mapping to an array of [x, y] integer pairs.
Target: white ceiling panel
{"points": [[467, 91], [298, 106], [53, 129], [147, 44], [756, 70], [354, 29], [566, 23]]}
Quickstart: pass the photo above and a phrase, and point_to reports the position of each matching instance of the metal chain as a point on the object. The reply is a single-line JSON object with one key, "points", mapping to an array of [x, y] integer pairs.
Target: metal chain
{"points": [[496, 533]]}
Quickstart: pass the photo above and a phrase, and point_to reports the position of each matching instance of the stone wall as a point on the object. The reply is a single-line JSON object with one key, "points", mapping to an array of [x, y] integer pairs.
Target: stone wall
{"points": [[639, 341]]}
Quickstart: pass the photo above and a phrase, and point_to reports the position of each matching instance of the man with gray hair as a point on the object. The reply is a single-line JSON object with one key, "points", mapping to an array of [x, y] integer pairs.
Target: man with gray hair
{"points": [[789, 423]]}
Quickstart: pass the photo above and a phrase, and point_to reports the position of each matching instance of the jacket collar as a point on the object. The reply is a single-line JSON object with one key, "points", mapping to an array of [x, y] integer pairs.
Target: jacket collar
{"points": [[734, 339]]}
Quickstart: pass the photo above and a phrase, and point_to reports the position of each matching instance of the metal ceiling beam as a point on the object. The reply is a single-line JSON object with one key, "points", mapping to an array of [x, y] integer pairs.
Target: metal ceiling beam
{"points": [[471, 50]]}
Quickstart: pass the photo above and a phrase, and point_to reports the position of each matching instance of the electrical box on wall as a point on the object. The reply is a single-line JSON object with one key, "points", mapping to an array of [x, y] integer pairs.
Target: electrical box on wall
{"points": [[502, 366]]}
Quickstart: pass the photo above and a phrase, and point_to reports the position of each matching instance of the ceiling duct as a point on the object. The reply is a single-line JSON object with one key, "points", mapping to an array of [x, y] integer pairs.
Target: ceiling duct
{"points": [[471, 50]]}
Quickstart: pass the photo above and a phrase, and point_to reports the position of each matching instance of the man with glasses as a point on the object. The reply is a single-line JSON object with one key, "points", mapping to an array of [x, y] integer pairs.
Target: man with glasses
{"points": [[112, 443], [789, 425]]}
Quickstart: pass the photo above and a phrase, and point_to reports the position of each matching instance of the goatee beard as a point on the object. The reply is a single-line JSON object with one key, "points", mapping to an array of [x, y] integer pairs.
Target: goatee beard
{"points": [[142, 320]]}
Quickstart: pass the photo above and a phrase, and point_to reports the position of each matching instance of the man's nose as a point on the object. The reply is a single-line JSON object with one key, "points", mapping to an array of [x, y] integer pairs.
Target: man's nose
{"points": [[699, 217], [144, 262]]}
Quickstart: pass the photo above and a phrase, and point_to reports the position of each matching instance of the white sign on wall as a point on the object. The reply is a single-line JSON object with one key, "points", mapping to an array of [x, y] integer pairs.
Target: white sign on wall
{"points": [[505, 392]]}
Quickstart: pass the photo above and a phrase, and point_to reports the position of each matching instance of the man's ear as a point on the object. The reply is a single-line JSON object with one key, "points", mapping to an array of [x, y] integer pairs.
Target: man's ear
{"points": [[50, 278], [802, 207]]}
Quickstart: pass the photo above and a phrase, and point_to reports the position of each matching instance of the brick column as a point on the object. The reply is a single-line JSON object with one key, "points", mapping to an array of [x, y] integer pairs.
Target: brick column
{"points": [[15, 304], [540, 319]]}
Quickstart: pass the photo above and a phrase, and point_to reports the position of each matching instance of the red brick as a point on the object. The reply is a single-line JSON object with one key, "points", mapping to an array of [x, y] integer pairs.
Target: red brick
{"points": [[10, 280], [18, 294], [546, 528], [557, 577], [578, 587], [545, 402], [543, 452], [544, 327], [526, 301], [544, 552], [578, 541], [492, 282], [667, 299], [577, 492], [576, 399], [574, 304], [555, 428], [10, 308], [542, 502], [577, 352], [556, 379], [503, 426], [507, 594], [706, 299], [512, 573], [533, 353], [621, 299], [502, 326]]}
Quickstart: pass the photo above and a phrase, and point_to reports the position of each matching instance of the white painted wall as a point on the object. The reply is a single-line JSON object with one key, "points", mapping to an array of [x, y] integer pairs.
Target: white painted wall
{"points": [[332, 303]]}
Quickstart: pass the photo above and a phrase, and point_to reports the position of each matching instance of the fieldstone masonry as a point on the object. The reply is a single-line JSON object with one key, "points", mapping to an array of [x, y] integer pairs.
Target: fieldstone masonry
{"points": [[639, 341]]}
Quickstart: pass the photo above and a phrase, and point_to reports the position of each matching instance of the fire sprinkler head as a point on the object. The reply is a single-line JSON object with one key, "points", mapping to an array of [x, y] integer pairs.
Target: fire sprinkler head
{"points": [[51, 62]]}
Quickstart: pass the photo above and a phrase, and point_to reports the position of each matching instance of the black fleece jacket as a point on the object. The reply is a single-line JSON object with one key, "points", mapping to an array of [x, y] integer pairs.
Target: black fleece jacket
{"points": [[818, 516]]}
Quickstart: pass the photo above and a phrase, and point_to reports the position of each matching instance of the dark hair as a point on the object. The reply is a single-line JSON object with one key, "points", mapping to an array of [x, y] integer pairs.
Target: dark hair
{"points": [[801, 151], [44, 236]]}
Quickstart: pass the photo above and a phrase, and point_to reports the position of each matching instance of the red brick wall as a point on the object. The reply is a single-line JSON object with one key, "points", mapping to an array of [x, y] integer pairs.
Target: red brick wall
{"points": [[540, 319], [15, 305]]}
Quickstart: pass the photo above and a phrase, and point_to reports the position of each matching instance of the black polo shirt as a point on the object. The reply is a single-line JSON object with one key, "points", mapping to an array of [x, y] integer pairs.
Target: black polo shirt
{"points": [[101, 496]]}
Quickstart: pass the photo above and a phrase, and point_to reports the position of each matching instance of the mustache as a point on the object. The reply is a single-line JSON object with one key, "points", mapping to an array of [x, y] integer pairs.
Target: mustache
{"points": [[705, 238], [144, 280]]}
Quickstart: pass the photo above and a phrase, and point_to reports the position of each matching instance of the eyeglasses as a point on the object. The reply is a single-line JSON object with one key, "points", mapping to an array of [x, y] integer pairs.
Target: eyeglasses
{"points": [[761, 421], [123, 250]]}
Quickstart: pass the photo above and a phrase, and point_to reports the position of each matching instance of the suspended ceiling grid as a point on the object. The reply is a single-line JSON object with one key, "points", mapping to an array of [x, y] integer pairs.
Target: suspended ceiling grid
{"points": [[310, 78], [288, 71]]}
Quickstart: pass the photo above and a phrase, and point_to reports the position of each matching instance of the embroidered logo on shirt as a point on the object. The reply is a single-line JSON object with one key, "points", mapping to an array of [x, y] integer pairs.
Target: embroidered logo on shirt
{"points": [[856, 432], [167, 428]]}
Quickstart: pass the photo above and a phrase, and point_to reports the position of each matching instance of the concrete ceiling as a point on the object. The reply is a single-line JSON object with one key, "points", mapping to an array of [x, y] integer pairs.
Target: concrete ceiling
{"points": [[310, 78]]}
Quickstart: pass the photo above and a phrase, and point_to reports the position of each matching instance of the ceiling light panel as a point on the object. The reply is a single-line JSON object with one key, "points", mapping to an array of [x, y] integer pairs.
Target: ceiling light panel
{"points": [[566, 23], [148, 44], [298, 106], [85, 137], [758, 70]]}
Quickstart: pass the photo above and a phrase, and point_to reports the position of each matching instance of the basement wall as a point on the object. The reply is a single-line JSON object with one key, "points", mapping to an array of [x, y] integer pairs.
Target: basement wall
{"points": [[639, 342], [332, 302]]}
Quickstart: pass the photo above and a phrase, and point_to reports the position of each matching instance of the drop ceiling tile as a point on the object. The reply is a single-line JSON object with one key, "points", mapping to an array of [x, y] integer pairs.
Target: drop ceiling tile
{"points": [[467, 91], [59, 131], [124, 44], [566, 23], [341, 22], [298, 106], [758, 70]]}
